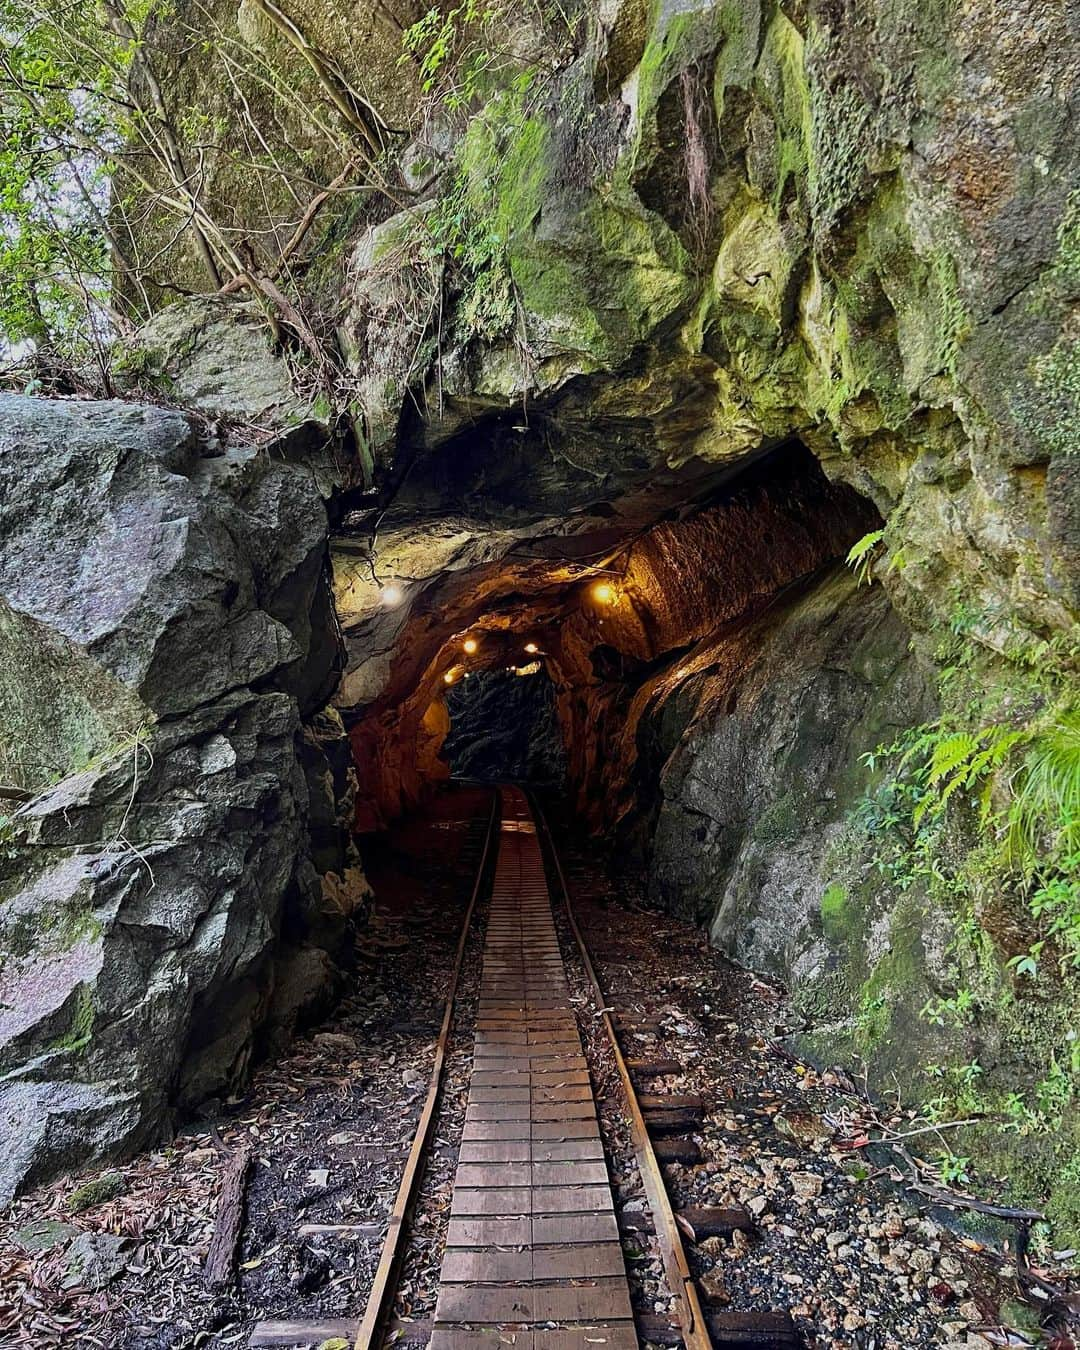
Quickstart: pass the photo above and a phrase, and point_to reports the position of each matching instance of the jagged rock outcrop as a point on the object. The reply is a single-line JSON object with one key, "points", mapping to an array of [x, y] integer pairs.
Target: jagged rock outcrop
{"points": [[759, 776], [177, 598]]}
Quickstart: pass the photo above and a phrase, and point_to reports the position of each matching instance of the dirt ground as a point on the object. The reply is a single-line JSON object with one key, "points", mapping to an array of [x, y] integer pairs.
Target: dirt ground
{"points": [[857, 1259]]}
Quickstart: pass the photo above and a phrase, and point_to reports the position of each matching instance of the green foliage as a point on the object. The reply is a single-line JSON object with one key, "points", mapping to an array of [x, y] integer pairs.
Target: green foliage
{"points": [[960, 760], [1044, 818], [1042, 1112], [863, 553], [451, 49], [1024, 781], [978, 812], [471, 222], [468, 238], [953, 1168], [62, 108], [956, 1011]]}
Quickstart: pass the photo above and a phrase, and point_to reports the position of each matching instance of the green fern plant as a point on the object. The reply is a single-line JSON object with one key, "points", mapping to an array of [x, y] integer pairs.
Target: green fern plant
{"points": [[967, 761], [1044, 815], [862, 554]]}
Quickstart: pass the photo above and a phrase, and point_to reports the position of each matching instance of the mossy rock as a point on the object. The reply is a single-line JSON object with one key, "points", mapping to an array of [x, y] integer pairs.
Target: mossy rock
{"points": [[97, 1192]]}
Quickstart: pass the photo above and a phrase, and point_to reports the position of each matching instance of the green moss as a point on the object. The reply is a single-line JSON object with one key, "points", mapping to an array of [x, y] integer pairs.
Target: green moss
{"points": [[840, 135], [677, 41], [835, 918], [1049, 408], [78, 1035], [97, 1192], [948, 313], [778, 822], [59, 929], [58, 708], [604, 280], [1066, 268], [1057, 379], [892, 991], [664, 51], [781, 82]]}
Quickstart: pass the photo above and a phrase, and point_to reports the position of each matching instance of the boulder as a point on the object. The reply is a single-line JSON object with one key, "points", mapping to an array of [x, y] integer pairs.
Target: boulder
{"points": [[94, 1260], [216, 355], [141, 908], [180, 576]]}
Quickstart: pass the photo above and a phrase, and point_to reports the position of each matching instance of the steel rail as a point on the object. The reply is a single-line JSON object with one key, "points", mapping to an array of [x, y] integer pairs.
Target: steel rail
{"points": [[384, 1285], [691, 1319]]}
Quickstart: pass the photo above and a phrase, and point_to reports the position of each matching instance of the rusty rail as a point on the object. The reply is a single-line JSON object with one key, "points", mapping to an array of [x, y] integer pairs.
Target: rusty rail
{"points": [[691, 1319]]}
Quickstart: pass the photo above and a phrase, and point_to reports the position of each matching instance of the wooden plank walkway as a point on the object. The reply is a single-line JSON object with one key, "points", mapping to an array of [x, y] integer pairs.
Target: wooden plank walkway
{"points": [[533, 1258]]}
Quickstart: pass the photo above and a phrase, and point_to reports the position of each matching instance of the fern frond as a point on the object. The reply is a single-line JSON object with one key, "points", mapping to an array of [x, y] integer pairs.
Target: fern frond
{"points": [[917, 749], [950, 754], [1045, 810], [860, 556]]}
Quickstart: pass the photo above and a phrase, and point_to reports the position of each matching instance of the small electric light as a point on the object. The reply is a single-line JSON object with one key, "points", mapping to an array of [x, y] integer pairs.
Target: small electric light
{"points": [[448, 678], [531, 648], [391, 595], [470, 645], [604, 592]]}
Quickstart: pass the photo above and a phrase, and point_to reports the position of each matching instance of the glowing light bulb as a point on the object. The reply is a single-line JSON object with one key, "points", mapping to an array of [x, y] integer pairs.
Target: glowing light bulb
{"points": [[391, 595], [470, 645], [604, 592], [448, 678], [531, 647]]}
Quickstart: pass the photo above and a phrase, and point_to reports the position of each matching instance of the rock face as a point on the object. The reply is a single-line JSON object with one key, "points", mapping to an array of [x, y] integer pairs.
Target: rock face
{"points": [[503, 727], [756, 793], [179, 604]]}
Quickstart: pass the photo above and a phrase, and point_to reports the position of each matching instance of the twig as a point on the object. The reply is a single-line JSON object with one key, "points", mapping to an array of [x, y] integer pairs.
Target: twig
{"points": [[957, 1201], [928, 1129]]}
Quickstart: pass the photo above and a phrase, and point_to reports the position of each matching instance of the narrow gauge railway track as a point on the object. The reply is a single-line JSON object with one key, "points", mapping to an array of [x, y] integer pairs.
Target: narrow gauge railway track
{"points": [[533, 1257]]}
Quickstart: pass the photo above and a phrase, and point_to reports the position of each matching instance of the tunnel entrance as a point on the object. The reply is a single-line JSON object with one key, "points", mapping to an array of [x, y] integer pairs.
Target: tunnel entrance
{"points": [[637, 630], [504, 727]]}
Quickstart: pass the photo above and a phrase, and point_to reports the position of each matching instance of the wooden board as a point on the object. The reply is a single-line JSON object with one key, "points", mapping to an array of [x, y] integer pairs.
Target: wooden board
{"points": [[532, 1242]]}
